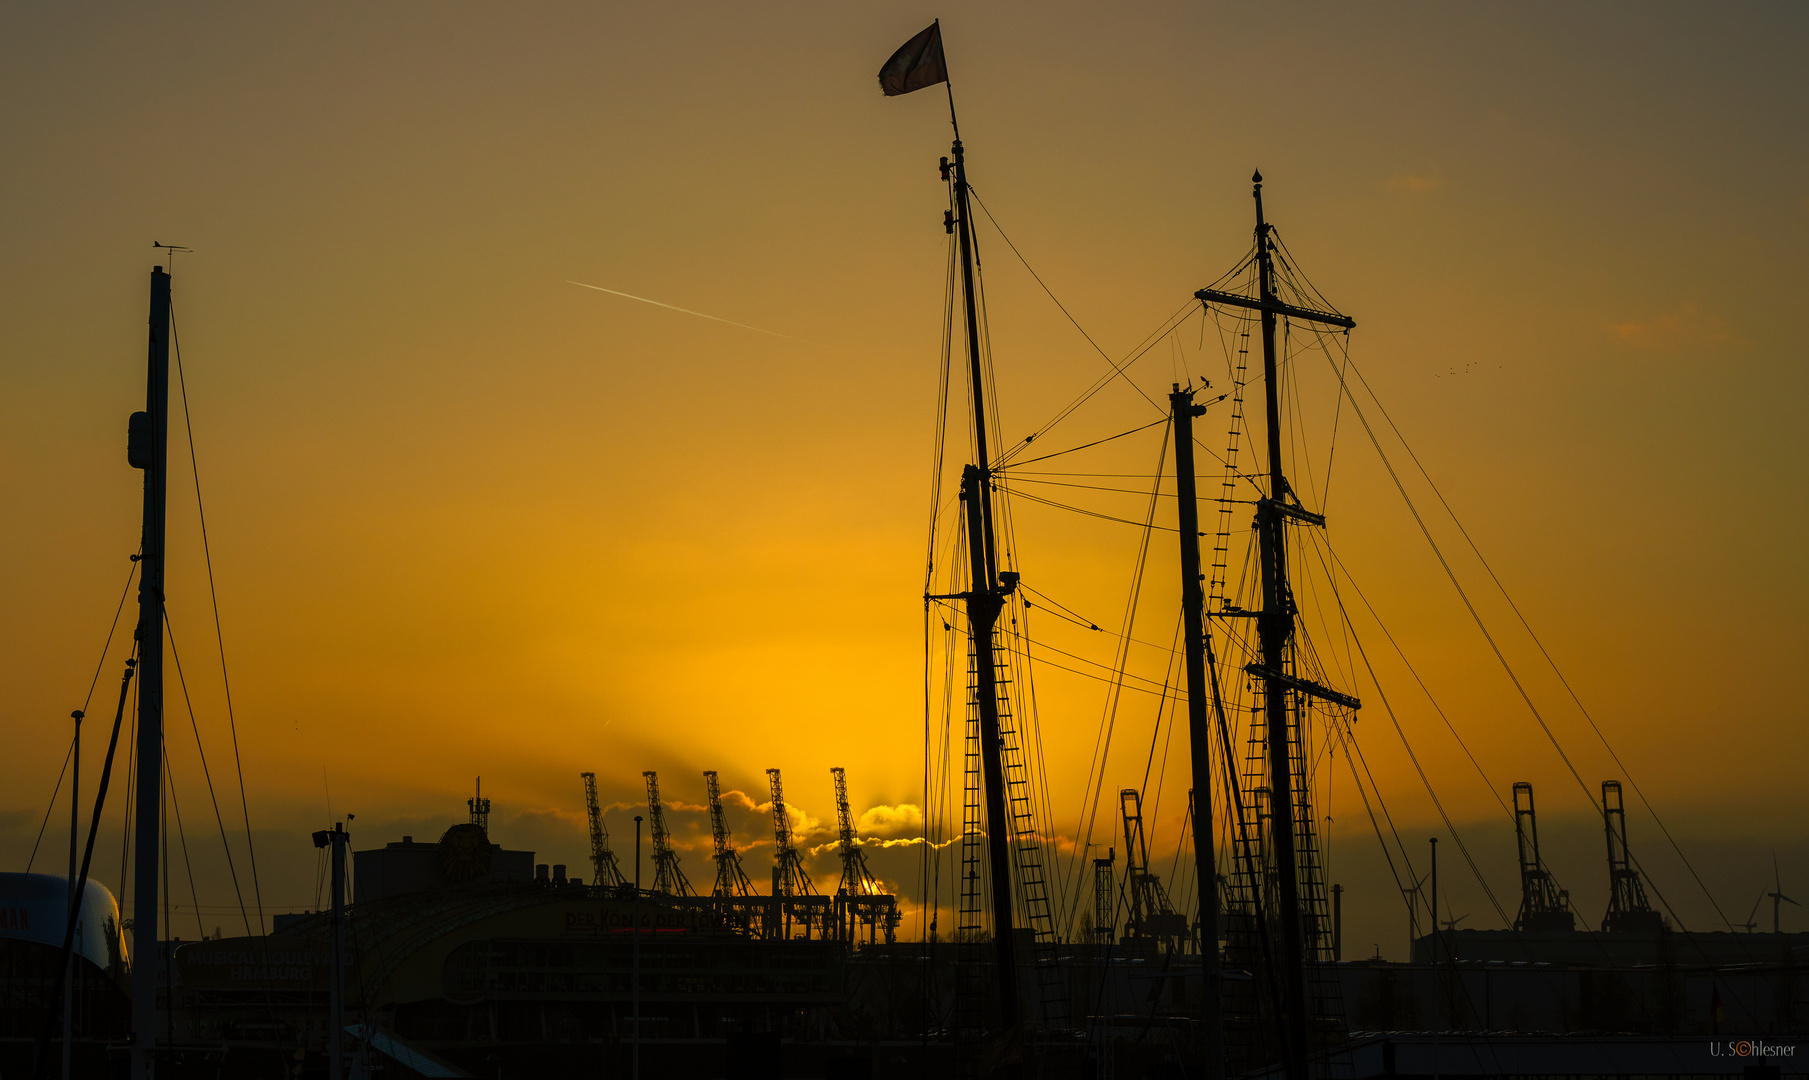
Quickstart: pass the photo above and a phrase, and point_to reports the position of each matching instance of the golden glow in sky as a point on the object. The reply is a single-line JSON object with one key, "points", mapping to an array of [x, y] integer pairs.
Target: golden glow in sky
{"points": [[467, 518]]}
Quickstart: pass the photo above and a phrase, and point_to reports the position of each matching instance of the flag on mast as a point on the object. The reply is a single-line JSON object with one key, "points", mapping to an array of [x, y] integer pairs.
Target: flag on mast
{"points": [[917, 63]]}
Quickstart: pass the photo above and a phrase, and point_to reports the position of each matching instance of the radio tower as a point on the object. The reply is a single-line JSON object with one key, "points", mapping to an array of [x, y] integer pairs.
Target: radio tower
{"points": [[857, 880], [667, 877], [731, 879], [480, 808], [602, 860]]}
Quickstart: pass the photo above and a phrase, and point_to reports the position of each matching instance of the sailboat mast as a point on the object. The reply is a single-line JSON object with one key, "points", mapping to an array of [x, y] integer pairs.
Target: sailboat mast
{"points": [[149, 450], [1275, 627], [985, 599], [1193, 619]]}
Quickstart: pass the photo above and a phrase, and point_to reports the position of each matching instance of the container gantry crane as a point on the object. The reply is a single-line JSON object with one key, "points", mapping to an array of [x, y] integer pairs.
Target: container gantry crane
{"points": [[667, 877], [857, 880], [605, 872], [1542, 905], [1151, 916], [793, 892], [1628, 909], [859, 897], [731, 879]]}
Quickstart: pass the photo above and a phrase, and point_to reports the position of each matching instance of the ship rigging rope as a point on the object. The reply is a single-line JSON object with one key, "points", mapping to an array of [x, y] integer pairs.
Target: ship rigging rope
{"points": [[937, 455], [125, 842], [1118, 367], [1513, 677], [86, 701], [81, 873], [51, 806], [1117, 370], [188, 864], [1507, 920], [1093, 513], [1022, 479], [1042, 822], [1093, 790], [188, 421], [1086, 446], [1171, 699], [1426, 781], [182, 681], [1069, 615], [937, 753], [1338, 564], [1044, 647], [1291, 395], [1539, 644], [1346, 736], [1168, 326]]}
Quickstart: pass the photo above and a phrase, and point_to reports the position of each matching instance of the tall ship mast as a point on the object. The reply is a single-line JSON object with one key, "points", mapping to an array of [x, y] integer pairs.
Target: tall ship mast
{"points": [[1278, 887], [1004, 889]]}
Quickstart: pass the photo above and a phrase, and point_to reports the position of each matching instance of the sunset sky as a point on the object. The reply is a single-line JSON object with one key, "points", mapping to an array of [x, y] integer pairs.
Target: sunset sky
{"points": [[468, 518]]}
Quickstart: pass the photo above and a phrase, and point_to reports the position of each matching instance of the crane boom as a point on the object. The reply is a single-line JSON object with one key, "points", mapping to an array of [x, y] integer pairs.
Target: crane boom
{"points": [[1628, 908], [857, 880], [604, 871], [790, 877], [1542, 905], [667, 877], [1151, 914], [731, 879]]}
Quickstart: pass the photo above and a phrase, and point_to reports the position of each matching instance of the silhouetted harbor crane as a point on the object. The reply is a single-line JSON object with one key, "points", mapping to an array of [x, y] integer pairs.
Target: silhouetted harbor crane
{"points": [[605, 872], [667, 877], [1542, 905], [1628, 909], [860, 899], [731, 879]]}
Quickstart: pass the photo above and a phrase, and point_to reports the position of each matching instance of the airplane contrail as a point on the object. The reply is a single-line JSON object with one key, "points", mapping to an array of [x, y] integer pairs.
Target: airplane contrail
{"points": [[687, 311]]}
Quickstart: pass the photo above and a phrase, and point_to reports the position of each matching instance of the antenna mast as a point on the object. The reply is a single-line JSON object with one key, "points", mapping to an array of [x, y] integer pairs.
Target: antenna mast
{"points": [[480, 808], [147, 448]]}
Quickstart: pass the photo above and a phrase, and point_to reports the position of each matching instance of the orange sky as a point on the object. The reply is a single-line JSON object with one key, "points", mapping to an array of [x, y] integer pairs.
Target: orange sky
{"points": [[469, 518]]}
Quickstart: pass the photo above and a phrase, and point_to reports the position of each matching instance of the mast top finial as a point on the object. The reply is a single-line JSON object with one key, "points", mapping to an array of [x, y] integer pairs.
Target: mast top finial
{"points": [[1256, 177]]}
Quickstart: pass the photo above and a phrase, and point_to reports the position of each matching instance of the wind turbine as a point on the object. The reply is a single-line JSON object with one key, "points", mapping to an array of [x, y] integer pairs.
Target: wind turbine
{"points": [[1778, 899], [1412, 894], [1752, 924]]}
